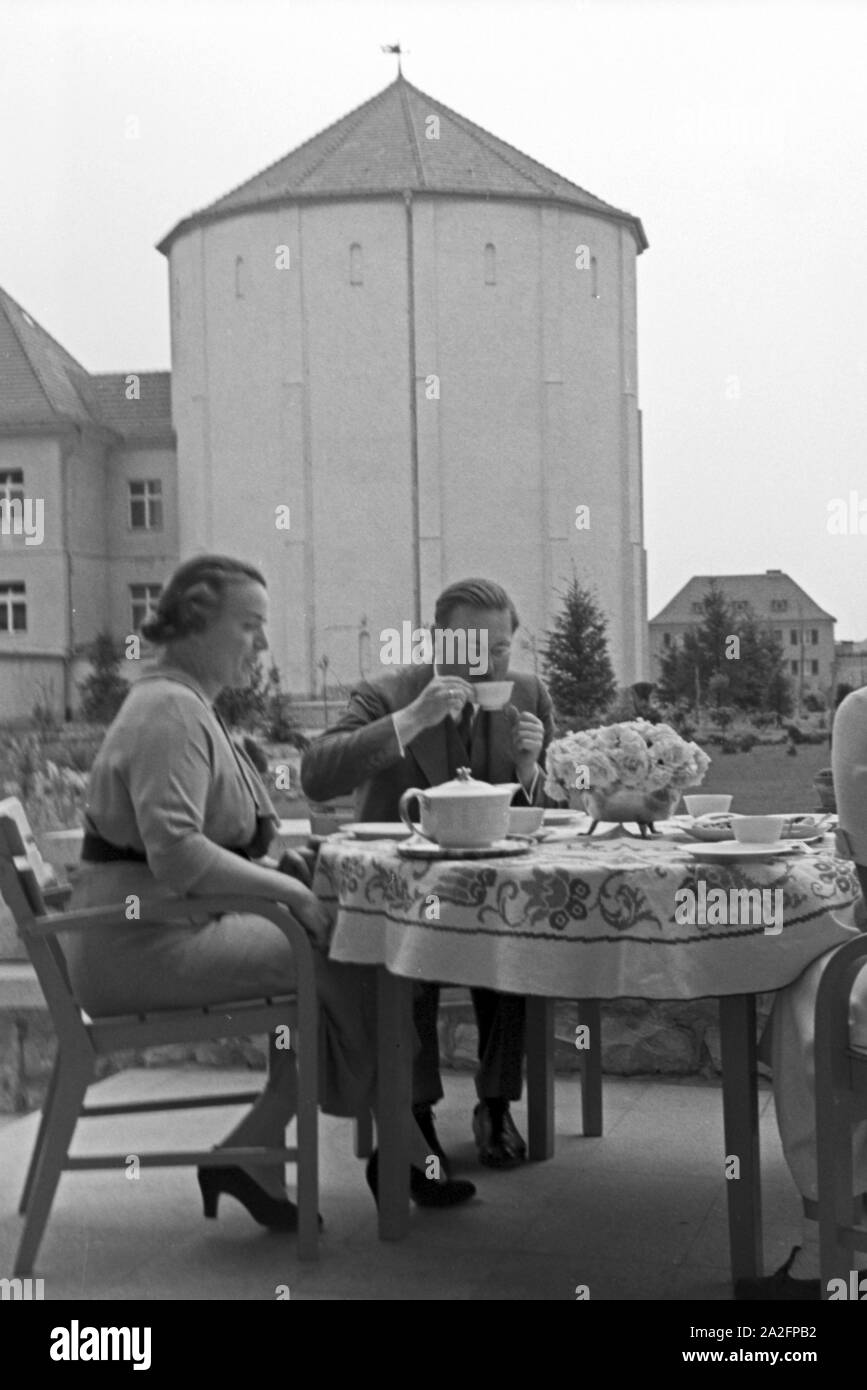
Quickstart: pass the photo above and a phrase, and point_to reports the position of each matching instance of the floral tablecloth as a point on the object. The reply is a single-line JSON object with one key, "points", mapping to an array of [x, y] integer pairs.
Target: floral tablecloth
{"points": [[582, 918]]}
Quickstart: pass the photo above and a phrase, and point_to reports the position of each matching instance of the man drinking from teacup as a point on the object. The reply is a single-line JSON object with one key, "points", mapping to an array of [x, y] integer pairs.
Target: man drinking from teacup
{"points": [[414, 726]]}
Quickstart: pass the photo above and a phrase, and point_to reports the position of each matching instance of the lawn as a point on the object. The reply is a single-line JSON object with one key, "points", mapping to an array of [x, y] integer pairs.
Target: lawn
{"points": [[765, 780], [768, 779]]}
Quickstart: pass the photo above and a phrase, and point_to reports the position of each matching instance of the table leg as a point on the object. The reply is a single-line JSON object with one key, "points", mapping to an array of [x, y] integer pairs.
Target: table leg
{"points": [[590, 1014], [394, 1101], [741, 1122], [540, 1077]]}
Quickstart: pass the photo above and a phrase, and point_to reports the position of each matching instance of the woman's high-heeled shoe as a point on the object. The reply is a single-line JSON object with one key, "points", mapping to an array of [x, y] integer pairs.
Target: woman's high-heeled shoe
{"points": [[276, 1214], [425, 1192]]}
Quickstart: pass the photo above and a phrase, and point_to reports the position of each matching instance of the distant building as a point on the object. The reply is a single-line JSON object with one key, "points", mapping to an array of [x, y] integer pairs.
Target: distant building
{"points": [[98, 452], [805, 630], [408, 340], [851, 666]]}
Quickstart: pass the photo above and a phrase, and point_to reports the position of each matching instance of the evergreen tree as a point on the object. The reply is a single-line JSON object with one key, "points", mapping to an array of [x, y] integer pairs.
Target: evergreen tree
{"points": [[578, 669], [702, 670], [105, 689]]}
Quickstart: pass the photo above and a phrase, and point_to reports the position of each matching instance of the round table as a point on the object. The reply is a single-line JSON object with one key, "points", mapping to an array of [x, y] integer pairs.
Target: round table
{"points": [[581, 917], [586, 919]]}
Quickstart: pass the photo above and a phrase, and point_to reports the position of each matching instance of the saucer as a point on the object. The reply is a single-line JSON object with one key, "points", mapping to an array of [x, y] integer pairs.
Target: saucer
{"points": [[500, 849], [377, 830], [554, 817], [733, 849]]}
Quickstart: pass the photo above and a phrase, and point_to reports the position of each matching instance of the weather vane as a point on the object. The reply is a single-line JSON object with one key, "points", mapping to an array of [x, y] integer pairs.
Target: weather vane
{"points": [[396, 49]]}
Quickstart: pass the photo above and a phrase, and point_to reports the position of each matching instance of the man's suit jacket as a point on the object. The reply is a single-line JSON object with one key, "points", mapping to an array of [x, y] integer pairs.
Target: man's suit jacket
{"points": [[361, 753]]}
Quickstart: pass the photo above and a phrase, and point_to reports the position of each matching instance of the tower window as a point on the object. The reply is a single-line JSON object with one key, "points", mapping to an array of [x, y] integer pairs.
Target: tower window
{"points": [[356, 268], [240, 277], [594, 277], [490, 264]]}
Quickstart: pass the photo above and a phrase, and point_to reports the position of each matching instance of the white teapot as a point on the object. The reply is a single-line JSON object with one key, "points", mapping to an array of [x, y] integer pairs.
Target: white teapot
{"points": [[463, 813]]}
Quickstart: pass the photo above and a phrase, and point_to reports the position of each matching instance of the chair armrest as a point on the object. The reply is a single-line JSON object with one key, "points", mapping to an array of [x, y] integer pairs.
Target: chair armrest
{"points": [[168, 909], [57, 895]]}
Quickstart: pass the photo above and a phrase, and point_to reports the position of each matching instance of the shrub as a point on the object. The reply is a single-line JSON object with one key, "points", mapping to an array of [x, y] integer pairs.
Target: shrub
{"points": [[747, 742], [105, 689], [722, 717], [262, 707]]}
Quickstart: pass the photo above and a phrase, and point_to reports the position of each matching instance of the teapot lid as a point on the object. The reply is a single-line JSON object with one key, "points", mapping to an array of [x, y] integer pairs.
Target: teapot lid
{"points": [[464, 784]]}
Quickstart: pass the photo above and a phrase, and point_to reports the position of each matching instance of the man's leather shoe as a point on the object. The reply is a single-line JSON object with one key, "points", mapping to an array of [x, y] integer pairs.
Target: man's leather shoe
{"points": [[425, 1192], [423, 1116], [499, 1143], [779, 1287]]}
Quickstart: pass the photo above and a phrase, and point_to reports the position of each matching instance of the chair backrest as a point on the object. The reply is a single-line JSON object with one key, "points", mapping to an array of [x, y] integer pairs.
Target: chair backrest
{"points": [[22, 893], [45, 874]]}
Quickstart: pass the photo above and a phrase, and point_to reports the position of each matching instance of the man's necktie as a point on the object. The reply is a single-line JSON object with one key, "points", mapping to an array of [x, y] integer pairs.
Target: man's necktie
{"points": [[465, 730]]}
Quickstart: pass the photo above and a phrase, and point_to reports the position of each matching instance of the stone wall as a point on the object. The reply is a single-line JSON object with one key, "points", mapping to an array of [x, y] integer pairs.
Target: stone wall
{"points": [[639, 1037]]}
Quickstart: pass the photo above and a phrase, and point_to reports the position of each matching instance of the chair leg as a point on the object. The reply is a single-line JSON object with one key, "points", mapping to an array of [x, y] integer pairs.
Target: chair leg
{"points": [[835, 1182], [308, 1135], [73, 1079], [363, 1135], [590, 1014], [44, 1123]]}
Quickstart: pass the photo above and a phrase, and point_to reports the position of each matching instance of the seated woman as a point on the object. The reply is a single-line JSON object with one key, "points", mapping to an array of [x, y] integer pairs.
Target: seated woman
{"points": [[792, 1036], [176, 808]]}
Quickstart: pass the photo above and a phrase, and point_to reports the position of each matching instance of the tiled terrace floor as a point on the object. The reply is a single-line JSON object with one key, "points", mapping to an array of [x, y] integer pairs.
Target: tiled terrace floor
{"points": [[638, 1214]]}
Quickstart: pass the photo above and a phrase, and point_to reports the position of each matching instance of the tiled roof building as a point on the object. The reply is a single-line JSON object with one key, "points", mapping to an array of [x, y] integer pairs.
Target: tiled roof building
{"points": [[804, 628], [94, 457]]}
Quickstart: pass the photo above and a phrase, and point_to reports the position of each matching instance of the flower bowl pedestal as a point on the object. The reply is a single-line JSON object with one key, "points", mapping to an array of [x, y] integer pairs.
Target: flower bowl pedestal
{"points": [[627, 805]]}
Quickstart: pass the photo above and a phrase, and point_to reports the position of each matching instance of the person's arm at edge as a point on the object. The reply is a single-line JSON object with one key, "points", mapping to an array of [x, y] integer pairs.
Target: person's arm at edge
{"points": [[366, 739]]}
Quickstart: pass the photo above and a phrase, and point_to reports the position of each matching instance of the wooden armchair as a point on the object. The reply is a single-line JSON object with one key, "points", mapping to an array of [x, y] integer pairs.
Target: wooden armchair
{"points": [[841, 1101], [82, 1040]]}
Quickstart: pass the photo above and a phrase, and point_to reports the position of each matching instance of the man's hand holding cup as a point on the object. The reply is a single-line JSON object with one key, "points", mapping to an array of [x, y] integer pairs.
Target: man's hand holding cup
{"points": [[444, 695]]}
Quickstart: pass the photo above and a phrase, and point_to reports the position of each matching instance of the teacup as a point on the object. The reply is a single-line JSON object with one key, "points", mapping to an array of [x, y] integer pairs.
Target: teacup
{"points": [[758, 830], [707, 805], [525, 820], [492, 694]]}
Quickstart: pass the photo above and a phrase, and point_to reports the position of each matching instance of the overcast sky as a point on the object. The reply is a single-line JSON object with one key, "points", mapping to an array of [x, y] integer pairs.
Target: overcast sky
{"points": [[737, 131]]}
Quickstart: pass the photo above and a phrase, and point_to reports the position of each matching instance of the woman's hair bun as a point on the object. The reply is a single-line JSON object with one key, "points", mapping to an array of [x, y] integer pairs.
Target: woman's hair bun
{"points": [[194, 596]]}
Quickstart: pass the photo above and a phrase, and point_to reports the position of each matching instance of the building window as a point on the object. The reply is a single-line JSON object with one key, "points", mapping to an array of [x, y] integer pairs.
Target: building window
{"points": [[794, 668], [793, 637], [12, 486], [814, 636], [490, 264], [146, 505], [13, 608], [239, 277], [741, 605], [666, 639], [814, 668], [356, 269], [778, 632], [143, 602], [779, 605], [594, 278]]}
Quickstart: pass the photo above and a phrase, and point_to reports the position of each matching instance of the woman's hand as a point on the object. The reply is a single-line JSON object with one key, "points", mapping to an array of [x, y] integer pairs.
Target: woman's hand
{"points": [[310, 913]]}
